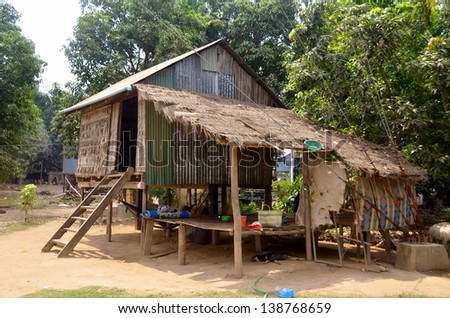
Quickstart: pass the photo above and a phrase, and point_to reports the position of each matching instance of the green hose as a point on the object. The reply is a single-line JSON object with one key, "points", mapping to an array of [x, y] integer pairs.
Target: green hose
{"points": [[257, 289]]}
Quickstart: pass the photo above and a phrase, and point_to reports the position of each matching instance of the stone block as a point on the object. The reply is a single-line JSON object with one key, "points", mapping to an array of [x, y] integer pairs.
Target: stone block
{"points": [[421, 257]]}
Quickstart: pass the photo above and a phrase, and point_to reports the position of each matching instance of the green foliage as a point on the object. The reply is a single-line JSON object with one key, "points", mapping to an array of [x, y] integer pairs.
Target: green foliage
{"points": [[248, 208], [381, 73], [28, 198], [285, 192], [65, 127], [19, 116]]}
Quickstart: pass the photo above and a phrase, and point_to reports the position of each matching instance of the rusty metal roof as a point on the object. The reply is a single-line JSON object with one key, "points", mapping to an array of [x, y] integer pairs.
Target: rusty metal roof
{"points": [[125, 84]]}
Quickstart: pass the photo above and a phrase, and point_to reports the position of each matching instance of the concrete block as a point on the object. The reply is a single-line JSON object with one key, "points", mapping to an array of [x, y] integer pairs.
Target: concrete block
{"points": [[421, 257]]}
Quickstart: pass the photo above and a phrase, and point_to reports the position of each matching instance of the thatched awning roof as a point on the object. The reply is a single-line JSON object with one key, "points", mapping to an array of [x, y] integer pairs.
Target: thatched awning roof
{"points": [[249, 125]]}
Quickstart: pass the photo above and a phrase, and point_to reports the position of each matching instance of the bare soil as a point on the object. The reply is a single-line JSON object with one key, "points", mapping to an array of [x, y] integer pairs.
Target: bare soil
{"points": [[25, 269]]}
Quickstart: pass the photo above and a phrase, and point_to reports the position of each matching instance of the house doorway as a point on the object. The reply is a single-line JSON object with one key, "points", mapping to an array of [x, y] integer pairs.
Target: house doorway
{"points": [[128, 134]]}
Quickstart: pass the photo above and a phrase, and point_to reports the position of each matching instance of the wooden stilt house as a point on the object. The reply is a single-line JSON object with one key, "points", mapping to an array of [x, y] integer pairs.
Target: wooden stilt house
{"points": [[203, 120]]}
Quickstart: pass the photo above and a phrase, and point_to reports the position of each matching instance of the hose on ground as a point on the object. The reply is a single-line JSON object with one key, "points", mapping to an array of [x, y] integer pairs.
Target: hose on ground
{"points": [[257, 289]]}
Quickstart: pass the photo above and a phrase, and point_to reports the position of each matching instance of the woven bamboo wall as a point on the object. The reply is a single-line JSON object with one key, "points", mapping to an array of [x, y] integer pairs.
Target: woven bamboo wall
{"points": [[94, 142]]}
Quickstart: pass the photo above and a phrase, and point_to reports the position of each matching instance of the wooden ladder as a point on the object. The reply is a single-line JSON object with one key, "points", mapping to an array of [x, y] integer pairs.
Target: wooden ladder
{"points": [[113, 182]]}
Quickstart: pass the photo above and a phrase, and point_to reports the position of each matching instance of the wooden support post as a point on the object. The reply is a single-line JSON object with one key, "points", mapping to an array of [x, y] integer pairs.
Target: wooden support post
{"points": [[168, 196], [188, 197], [387, 242], [224, 199], [237, 224], [109, 223], [367, 239], [258, 246], [82, 193], [148, 237], [306, 206], [182, 244], [267, 197], [215, 237]]}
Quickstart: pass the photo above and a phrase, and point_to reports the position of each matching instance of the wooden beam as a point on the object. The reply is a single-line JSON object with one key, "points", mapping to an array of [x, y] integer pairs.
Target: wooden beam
{"points": [[148, 237], [267, 198], [307, 206], [109, 223], [182, 244], [237, 224]]}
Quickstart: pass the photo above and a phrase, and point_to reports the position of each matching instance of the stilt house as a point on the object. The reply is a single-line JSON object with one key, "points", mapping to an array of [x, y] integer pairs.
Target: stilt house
{"points": [[204, 120]]}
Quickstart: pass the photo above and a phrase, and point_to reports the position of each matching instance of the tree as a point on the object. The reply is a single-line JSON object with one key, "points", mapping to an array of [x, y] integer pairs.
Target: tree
{"points": [[65, 127], [259, 32], [381, 73], [19, 116], [115, 39]]}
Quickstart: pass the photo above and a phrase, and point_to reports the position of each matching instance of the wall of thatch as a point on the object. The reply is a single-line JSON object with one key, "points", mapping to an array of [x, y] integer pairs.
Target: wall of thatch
{"points": [[94, 141]]}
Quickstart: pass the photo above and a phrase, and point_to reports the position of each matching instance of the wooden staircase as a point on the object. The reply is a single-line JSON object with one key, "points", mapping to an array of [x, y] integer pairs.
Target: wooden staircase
{"points": [[87, 212]]}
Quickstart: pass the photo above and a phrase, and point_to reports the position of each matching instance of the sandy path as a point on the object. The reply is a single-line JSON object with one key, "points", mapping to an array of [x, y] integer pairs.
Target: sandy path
{"points": [[24, 269]]}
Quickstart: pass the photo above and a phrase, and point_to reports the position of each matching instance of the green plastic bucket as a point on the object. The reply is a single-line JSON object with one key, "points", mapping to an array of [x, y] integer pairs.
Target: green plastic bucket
{"points": [[313, 145]]}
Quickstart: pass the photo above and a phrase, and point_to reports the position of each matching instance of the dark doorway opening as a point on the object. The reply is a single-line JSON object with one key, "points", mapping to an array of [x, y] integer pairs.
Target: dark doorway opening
{"points": [[128, 134]]}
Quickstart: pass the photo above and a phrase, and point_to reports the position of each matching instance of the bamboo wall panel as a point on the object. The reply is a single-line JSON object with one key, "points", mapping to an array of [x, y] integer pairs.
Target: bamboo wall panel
{"points": [[140, 155], [94, 142], [114, 142]]}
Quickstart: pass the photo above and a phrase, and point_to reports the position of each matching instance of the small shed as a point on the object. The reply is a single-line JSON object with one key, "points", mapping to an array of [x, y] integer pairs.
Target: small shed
{"points": [[205, 120]]}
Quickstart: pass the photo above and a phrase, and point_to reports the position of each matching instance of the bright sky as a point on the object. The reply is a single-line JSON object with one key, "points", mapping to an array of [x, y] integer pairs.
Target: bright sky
{"points": [[49, 24]]}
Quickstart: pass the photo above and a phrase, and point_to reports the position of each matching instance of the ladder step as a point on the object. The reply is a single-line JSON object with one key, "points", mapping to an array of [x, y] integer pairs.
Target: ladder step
{"points": [[106, 186], [69, 229], [59, 243], [116, 175], [79, 218], [88, 207], [98, 196]]}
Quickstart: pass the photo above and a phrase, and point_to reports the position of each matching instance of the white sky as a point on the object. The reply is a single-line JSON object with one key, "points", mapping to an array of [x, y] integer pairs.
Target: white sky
{"points": [[49, 24]]}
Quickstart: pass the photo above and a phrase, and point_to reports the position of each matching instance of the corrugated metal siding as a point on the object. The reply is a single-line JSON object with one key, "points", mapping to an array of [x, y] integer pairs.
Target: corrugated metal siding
{"points": [[199, 161], [209, 59], [159, 147], [163, 78]]}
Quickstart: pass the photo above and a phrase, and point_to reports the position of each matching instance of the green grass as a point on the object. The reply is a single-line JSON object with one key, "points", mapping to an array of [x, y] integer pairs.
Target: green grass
{"points": [[22, 226], [101, 292]]}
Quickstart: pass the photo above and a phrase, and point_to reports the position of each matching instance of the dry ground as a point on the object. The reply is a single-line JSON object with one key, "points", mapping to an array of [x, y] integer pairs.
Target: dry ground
{"points": [[24, 269]]}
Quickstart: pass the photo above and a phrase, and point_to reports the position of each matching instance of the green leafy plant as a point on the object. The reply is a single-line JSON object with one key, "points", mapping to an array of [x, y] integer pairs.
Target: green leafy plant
{"points": [[285, 192], [248, 208], [28, 198]]}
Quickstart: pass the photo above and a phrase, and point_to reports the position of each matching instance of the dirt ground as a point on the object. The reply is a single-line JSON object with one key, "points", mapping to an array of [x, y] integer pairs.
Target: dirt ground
{"points": [[25, 269]]}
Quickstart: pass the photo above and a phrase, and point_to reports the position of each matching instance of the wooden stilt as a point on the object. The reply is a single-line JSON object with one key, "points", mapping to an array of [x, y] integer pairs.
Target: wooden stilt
{"points": [[306, 206], [109, 223], [188, 197], [182, 244], [267, 197], [237, 224], [148, 237], [224, 199]]}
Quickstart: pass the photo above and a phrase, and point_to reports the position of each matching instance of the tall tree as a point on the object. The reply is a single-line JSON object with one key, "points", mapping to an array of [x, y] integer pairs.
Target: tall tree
{"points": [[259, 32], [19, 116], [378, 72], [114, 39]]}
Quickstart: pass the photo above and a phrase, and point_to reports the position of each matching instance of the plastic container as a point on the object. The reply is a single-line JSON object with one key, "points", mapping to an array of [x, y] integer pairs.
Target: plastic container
{"points": [[244, 221], [313, 145], [286, 293], [270, 218]]}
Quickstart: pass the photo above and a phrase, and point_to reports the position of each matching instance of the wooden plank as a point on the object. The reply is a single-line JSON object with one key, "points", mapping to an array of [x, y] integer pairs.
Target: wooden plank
{"points": [[237, 225], [148, 236], [182, 244], [307, 208], [96, 213], [109, 223]]}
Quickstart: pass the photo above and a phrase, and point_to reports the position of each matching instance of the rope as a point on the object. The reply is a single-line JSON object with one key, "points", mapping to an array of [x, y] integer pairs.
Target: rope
{"points": [[266, 294]]}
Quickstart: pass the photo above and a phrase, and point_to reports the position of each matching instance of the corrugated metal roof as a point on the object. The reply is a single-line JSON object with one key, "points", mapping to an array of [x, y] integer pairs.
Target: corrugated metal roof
{"points": [[125, 84]]}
